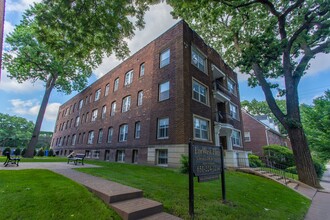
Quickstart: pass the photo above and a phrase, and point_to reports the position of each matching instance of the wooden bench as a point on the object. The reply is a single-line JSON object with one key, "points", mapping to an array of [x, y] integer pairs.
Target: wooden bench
{"points": [[11, 160], [78, 158]]}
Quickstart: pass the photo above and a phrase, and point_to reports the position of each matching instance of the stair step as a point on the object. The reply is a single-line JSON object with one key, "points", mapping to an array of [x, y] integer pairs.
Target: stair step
{"points": [[293, 185], [262, 171], [272, 174], [162, 216], [278, 177], [137, 208]]}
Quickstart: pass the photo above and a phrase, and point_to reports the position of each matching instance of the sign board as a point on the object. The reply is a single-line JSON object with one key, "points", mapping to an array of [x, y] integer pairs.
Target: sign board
{"points": [[206, 160]]}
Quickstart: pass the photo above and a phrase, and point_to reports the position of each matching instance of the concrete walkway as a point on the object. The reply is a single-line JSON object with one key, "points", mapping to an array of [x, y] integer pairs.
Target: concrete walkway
{"points": [[127, 201]]}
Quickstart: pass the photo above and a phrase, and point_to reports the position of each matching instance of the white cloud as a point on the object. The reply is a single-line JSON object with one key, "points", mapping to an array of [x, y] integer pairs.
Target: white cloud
{"points": [[8, 27], [27, 108], [158, 20], [20, 5], [319, 64]]}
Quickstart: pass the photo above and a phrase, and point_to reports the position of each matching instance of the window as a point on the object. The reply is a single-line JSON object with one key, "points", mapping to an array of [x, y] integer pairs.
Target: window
{"points": [[123, 132], [90, 137], [236, 138], [104, 111], [233, 111], [120, 157], [99, 140], [162, 128], [63, 143], [110, 134], [200, 92], [87, 115], [198, 60], [71, 122], [86, 101], [247, 136], [77, 121], [141, 70], [162, 157], [94, 115], [137, 130], [113, 109], [97, 94], [90, 98], [140, 98], [74, 107], [126, 104], [231, 86], [83, 137], [164, 58], [96, 154], [107, 88], [79, 141], [73, 141], [128, 78], [164, 91], [201, 129], [116, 84]]}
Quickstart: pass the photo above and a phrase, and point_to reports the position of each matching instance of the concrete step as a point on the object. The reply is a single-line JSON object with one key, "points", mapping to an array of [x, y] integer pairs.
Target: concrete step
{"points": [[262, 171], [162, 216], [278, 177], [293, 185], [137, 208]]}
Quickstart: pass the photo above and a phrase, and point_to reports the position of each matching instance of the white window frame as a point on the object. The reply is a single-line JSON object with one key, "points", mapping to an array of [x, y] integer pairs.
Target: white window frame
{"points": [[162, 91], [128, 78], [233, 111], [96, 154], [110, 135], [140, 98], [90, 137], [236, 141], [120, 156], [198, 91], [113, 108], [162, 126], [162, 157], [201, 127], [97, 95], [100, 137], [73, 140], [137, 132], [107, 89], [123, 132], [94, 115], [198, 59], [77, 121], [142, 69], [164, 58], [116, 84], [231, 85], [104, 112], [126, 105], [247, 136]]}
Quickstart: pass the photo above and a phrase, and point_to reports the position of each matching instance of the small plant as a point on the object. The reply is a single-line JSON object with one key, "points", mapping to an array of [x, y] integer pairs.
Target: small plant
{"points": [[319, 167], [184, 164], [41, 153], [23, 152], [51, 153], [254, 161], [291, 170], [17, 151], [7, 149]]}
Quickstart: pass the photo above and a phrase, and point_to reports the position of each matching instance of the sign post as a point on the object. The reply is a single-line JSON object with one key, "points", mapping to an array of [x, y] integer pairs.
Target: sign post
{"points": [[205, 162]]}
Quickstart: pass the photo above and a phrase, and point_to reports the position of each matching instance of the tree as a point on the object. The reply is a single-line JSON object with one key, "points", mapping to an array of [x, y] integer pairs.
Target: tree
{"points": [[14, 131], [271, 41], [316, 122], [261, 108], [60, 42]]}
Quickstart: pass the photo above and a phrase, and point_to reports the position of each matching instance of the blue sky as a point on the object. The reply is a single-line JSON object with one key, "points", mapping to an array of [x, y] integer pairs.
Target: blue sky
{"points": [[24, 99]]}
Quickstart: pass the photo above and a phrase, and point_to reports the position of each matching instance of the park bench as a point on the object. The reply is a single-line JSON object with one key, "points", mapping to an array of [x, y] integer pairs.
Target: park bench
{"points": [[78, 158], [11, 160]]}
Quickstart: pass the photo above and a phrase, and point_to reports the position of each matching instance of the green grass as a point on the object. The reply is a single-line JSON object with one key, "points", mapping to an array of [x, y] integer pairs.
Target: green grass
{"points": [[248, 196], [42, 194], [278, 172], [39, 159]]}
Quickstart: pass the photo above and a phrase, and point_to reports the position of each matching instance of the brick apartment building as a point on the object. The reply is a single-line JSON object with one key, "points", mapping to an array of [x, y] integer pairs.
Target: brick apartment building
{"points": [[261, 131], [146, 109]]}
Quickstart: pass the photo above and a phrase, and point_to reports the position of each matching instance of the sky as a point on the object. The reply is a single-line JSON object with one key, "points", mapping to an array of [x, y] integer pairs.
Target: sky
{"points": [[23, 99]]}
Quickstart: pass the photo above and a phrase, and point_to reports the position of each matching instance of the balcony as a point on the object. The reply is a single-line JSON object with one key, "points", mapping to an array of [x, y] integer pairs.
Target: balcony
{"points": [[224, 118], [216, 72], [220, 93]]}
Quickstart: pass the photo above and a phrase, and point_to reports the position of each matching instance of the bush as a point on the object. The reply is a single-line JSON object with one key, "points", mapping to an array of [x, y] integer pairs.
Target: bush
{"points": [[279, 155], [23, 152], [184, 164], [17, 151], [292, 169], [319, 168], [7, 149], [254, 161], [41, 153], [51, 153]]}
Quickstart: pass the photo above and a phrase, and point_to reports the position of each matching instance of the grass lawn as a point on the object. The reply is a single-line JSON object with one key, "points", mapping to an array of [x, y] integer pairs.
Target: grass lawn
{"points": [[248, 196], [42, 194], [38, 159]]}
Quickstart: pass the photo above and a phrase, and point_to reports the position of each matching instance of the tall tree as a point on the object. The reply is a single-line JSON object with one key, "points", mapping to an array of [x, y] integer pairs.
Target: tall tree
{"points": [[60, 42], [316, 122], [271, 41], [14, 131]]}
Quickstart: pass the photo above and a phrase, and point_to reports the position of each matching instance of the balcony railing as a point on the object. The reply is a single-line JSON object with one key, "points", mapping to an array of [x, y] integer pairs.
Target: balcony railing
{"points": [[223, 117], [219, 87]]}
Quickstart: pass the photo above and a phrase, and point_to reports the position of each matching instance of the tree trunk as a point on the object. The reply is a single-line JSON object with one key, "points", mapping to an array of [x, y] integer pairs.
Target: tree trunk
{"points": [[305, 168], [36, 131]]}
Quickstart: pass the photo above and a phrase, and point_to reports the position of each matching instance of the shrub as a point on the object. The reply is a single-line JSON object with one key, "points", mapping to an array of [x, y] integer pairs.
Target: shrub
{"points": [[41, 153], [254, 161], [292, 169], [279, 155], [184, 164], [17, 151], [7, 149], [23, 152], [319, 167], [51, 153]]}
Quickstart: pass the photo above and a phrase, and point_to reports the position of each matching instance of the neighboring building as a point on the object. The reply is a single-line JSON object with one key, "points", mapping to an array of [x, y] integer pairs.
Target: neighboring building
{"points": [[146, 109], [261, 131], [44, 139]]}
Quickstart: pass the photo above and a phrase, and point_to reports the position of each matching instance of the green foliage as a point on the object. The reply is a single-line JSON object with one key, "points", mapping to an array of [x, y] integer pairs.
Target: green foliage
{"points": [[292, 169], [184, 164], [254, 161], [23, 152], [14, 131], [319, 167], [41, 153], [316, 122], [17, 151], [51, 153], [279, 155], [7, 149]]}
